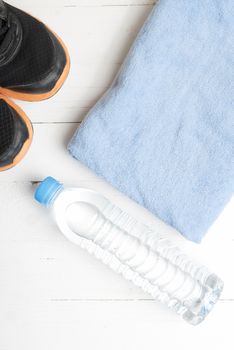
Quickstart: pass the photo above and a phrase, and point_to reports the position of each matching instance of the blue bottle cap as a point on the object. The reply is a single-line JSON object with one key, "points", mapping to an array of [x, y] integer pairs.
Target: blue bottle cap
{"points": [[47, 190]]}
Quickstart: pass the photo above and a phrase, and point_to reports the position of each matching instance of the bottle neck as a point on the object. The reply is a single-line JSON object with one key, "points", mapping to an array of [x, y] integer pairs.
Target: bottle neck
{"points": [[54, 197]]}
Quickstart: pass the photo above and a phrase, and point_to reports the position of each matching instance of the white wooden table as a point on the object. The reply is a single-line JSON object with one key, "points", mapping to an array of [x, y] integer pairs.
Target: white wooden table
{"points": [[53, 295]]}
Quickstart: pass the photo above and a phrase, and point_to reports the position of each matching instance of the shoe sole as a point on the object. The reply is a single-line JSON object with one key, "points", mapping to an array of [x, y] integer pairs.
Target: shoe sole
{"points": [[45, 96], [28, 142]]}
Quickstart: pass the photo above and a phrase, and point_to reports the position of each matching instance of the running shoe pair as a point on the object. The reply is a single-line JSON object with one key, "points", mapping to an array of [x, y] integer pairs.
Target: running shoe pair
{"points": [[34, 63]]}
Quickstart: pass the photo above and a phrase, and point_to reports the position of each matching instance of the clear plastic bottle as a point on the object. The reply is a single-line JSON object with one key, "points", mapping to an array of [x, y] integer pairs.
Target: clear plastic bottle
{"points": [[132, 249]]}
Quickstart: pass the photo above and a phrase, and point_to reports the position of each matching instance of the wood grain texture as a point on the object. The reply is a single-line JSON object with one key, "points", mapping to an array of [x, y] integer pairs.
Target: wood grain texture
{"points": [[53, 295]]}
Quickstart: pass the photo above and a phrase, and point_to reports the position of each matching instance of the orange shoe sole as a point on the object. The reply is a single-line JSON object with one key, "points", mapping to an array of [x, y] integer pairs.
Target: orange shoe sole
{"points": [[40, 97], [28, 142]]}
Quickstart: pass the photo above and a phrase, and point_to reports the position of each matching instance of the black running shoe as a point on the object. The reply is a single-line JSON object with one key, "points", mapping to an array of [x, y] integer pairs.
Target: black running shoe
{"points": [[15, 134], [34, 62]]}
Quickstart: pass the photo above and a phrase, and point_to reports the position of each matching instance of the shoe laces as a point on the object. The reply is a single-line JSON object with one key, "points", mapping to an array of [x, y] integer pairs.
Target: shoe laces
{"points": [[4, 22]]}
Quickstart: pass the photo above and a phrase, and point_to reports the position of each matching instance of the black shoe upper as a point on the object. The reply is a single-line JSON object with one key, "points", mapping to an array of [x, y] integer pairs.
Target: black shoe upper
{"points": [[13, 133], [34, 59]]}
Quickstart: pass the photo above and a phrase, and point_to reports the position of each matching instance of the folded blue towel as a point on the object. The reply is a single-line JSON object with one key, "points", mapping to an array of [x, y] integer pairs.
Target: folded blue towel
{"points": [[164, 133]]}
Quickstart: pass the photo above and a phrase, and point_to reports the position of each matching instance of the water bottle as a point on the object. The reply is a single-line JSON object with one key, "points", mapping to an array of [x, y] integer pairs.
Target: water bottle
{"points": [[132, 249]]}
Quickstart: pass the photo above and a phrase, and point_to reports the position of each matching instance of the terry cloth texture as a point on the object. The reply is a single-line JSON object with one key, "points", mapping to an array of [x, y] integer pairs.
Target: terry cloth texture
{"points": [[164, 132]]}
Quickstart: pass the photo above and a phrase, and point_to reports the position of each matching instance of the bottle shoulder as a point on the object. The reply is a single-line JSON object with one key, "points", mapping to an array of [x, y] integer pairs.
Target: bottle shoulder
{"points": [[72, 195]]}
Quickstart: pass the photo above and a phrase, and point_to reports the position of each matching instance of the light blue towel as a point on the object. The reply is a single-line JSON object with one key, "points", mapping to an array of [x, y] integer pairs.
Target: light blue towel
{"points": [[164, 133]]}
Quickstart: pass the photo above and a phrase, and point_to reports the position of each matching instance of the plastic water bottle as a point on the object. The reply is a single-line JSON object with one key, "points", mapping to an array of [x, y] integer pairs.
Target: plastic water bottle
{"points": [[132, 249]]}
